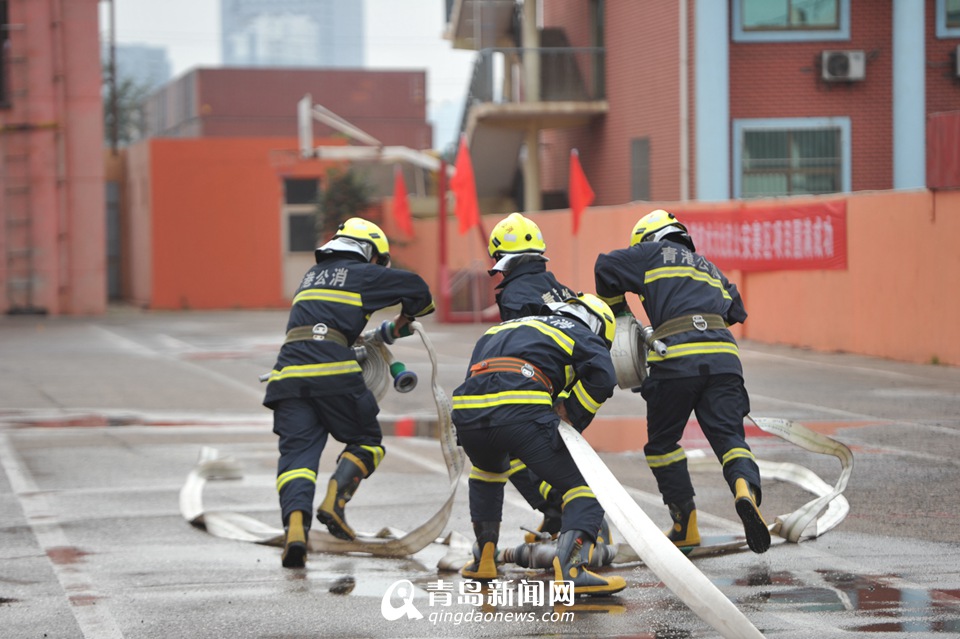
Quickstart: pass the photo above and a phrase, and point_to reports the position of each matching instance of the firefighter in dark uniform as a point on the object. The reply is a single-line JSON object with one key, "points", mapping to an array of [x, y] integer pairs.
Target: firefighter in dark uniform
{"points": [[690, 304], [505, 410], [517, 245], [316, 388]]}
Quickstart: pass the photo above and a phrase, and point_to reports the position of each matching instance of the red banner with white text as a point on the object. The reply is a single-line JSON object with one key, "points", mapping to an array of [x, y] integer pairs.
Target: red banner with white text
{"points": [[801, 237]]}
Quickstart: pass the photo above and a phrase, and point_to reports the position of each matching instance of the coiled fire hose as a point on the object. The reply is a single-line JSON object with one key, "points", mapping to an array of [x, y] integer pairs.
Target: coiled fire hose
{"points": [[379, 368]]}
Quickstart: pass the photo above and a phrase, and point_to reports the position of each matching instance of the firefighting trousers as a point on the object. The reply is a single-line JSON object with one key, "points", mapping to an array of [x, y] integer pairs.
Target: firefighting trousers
{"points": [[720, 403], [539, 446], [303, 425]]}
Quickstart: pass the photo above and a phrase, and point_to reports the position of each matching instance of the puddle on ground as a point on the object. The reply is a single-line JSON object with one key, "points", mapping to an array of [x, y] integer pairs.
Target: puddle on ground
{"points": [[870, 603]]}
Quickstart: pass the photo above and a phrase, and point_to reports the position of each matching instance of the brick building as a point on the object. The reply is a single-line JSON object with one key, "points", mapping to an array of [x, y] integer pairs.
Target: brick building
{"points": [[705, 99]]}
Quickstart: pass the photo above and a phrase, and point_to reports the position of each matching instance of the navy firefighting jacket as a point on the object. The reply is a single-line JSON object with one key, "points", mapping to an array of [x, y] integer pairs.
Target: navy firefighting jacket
{"points": [[341, 291], [564, 349], [673, 281], [528, 287]]}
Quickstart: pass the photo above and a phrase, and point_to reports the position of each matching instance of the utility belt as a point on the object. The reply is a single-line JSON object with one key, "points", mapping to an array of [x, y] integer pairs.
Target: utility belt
{"points": [[677, 325], [318, 332], [511, 365]]}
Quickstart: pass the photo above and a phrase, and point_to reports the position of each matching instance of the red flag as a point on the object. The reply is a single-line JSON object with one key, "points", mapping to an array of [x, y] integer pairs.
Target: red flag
{"points": [[581, 195], [401, 205], [464, 187]]}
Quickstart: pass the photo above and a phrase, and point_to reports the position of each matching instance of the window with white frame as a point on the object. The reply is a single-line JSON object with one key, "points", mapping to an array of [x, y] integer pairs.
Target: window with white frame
{"points": [[790, 20], [791, 157], [948, 18]]}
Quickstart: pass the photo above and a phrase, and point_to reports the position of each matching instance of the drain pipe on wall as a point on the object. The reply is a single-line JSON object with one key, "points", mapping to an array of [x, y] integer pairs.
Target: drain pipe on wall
{"points": [[684, 107]]}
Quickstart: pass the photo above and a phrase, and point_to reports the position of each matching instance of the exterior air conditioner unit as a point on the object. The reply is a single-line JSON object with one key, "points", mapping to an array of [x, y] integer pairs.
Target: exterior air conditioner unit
{"points": [[843, 66]]}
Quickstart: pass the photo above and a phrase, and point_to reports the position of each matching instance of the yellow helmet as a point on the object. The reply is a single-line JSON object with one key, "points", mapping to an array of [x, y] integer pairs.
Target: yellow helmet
{"points": [[597, 307], [654, 226], [516, 234], [357, 228]]}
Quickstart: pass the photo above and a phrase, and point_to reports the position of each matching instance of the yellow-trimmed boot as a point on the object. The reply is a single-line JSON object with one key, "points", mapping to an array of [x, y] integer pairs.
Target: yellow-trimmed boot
{"points": [[484, 564], [684, 532], [340, 489], [754, 527], [574, 552], [295, 541], [552, 513]]}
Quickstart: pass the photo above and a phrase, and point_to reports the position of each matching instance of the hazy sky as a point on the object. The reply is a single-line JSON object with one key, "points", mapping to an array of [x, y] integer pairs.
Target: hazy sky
{"points": [[400, 34]]}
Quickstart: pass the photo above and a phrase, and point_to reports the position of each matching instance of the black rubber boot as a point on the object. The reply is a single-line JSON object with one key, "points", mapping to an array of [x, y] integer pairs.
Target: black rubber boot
{"points": [[484, 564], [684, 532], [754, 527], [343, 484], [574, 550], [550, 526], [295, 541]]}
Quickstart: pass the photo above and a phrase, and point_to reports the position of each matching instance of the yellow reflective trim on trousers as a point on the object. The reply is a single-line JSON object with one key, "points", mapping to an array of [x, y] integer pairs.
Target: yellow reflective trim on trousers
{"points": [[659, 461], [736, 453], [338, 296], [576, 493], [462, 402], [558, 336], [377, 452], [545, 489], [695, 348], [589, 403], [316, 370], [616, 299], [491, 478], [515, 467], [685, 271], [296, 473]]}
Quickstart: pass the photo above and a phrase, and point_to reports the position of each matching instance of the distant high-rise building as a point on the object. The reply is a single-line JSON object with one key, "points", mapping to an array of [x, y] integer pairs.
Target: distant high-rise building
{"points": [[292, 33]]}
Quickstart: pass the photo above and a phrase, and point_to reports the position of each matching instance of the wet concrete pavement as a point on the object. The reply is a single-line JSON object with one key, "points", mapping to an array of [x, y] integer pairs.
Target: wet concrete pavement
{"points": [[101, 420]]}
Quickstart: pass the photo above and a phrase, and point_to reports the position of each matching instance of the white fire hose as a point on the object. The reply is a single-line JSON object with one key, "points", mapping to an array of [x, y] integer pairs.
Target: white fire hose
{"points": [[379, 367]]}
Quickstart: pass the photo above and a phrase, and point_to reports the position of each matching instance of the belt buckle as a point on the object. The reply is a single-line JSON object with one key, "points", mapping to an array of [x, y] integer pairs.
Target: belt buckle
{"points": [[527, 370], [699, 323], [320, 331]]}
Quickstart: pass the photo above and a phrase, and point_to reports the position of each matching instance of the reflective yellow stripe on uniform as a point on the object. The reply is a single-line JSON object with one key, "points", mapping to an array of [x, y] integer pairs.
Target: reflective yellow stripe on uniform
{"points": [[736, 453], [685, 271], [616, 299], [545, 489], [515, 467], [569, 374], [589, 404], [558, 336], [296, 473], [491, 478], [659, 461], [575, 493], [316, 370], [329, 295], [377, 452], [503, 398], [428, 309], [694, 348]]}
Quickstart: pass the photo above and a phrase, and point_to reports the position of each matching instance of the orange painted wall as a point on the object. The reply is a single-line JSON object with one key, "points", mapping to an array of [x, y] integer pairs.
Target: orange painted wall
{"points": [[206, 222], [895, 299]]}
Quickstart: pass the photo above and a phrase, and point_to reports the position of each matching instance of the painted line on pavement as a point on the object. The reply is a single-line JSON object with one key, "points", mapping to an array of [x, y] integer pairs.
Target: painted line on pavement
{"points": [[89, 607]]}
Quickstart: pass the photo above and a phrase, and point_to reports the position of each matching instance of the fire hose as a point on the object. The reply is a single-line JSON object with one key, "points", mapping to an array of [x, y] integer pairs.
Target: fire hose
{"points": [[379, 368]]}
